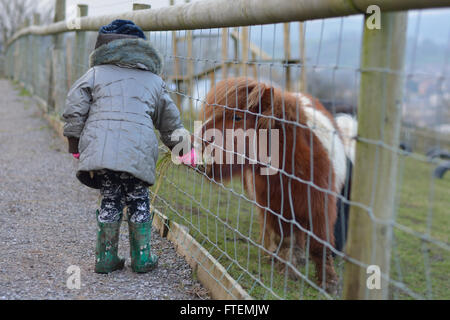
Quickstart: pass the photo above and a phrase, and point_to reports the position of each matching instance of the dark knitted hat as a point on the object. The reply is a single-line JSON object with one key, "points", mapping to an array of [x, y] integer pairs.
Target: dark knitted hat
{"points": [[118, 29], [123, 27]]}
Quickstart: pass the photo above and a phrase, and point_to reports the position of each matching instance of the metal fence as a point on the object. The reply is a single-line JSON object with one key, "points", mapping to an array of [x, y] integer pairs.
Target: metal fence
{"points": [[274, 233]]}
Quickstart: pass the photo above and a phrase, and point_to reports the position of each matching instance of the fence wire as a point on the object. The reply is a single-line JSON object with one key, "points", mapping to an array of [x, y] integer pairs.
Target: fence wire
{"points": [[272, 233]]}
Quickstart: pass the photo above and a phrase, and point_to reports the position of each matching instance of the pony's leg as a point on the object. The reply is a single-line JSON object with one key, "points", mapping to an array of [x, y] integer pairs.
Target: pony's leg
{"points": [[299, 249], [292, 251], [300, 240], [268, 237], [265, 232], [262, 229], [323, 260]]}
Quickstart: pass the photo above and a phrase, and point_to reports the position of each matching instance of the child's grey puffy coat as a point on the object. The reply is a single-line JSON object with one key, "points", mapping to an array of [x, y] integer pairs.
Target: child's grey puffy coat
{"points": [[114, 108]]}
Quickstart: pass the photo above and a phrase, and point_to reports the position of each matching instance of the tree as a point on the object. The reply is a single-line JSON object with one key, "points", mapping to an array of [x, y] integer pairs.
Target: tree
{"points": [[13, 14]]}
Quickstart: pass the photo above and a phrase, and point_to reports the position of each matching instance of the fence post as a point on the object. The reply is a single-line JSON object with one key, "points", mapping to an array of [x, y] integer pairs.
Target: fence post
{"points": [[176, 66], [4, 61], [287, 55], [35, 56], [142, 6], [7, 63], [190, 71], [69, 62], [80, 50], [60, 15], [236, 52], [303, 87], [16, 57], [56, 70], [224, 48], [244, 44], [26, 58], [375, 171]]}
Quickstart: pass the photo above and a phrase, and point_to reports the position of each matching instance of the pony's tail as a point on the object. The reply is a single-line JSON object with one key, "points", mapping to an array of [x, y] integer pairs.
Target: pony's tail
{"points": [[349, 128]]}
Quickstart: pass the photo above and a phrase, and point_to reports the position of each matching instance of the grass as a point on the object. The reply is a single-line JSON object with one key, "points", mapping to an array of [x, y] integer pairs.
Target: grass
{"points": [[424, 208], [21, 91], [24, 93], [226, 224]]}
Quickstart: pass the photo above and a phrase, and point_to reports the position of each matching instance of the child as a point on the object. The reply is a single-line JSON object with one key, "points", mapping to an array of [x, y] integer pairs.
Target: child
{"points": [[110, 116]]}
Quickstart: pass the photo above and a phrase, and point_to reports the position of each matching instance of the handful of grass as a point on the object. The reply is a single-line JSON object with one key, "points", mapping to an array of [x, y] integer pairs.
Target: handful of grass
{"points": [[165, 162], [162, 165]]}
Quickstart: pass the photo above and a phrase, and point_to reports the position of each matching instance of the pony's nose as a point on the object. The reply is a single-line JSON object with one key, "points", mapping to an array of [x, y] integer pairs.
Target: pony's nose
{"points": [[199, 137], [204, 169]]}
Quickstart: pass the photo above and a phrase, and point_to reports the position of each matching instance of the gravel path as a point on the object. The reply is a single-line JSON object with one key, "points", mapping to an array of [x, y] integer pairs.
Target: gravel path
{"points": [[47, 221]]}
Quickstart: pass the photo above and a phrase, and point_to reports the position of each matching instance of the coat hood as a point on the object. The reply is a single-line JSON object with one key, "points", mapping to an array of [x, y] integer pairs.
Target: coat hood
{"points": [[128, 52]]}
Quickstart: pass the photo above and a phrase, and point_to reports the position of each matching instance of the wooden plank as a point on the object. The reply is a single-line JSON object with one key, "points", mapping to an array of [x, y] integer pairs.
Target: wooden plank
{"points": [[211, 274]]}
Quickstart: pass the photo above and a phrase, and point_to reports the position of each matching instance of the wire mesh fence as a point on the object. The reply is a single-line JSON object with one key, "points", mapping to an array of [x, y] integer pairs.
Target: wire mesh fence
{"points": [[296, 89]]}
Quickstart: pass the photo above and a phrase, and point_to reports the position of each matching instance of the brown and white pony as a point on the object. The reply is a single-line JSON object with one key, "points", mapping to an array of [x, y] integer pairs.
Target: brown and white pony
{"points": [[301, 195]]}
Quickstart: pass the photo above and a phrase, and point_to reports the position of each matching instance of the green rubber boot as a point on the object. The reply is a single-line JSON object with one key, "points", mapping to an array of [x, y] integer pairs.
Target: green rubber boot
{"points": [[142, 260], [106, 258]]}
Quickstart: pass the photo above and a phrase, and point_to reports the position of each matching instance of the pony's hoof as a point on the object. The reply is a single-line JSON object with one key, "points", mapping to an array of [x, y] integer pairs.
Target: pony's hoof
{"points": [[299, 257], [331, 286]]}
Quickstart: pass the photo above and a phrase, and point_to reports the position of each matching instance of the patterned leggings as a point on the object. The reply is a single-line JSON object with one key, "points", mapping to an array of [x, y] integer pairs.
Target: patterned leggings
{"points": [[119, 189]]}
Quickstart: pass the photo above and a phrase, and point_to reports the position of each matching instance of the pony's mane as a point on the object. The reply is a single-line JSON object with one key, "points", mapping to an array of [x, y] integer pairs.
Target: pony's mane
{"points": [[247, 94], [234, 93]]}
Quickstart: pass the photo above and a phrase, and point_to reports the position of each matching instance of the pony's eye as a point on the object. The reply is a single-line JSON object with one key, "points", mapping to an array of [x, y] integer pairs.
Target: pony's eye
{"points": [[237, 118]]}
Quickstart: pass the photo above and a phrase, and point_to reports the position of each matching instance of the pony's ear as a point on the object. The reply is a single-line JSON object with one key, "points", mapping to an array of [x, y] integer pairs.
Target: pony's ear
{"points": [[277, 107], [255, 96], [267, 106]]}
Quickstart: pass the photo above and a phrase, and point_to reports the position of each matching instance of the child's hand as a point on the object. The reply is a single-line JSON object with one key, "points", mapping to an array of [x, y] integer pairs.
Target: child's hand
{"points": [[189, 158], [76, 155]]}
